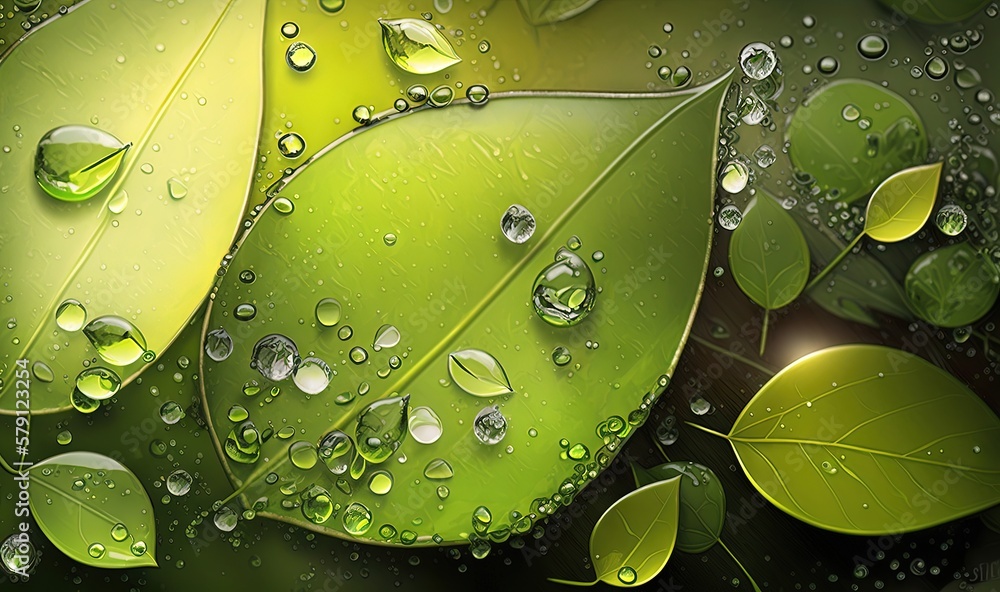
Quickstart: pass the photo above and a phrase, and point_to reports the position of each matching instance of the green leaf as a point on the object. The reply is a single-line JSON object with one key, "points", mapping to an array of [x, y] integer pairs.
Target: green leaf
{"points": [[478, 373], [94, 510], [902, 203], [937, 12], [451, 281], [547, 12], [858, 287], [768, 254], [870, 440], [192, 115], [952, 286], [848, 159], [702, 511], [416, 46], [635, 537]]}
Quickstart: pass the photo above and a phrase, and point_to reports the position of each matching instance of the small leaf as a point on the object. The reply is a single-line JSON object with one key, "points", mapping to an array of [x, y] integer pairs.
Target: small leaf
{"points": [[702, 502], [126, 247], [478, 373], [417, 46], [94, 509], [902, 203], [547, 12], [952, 286], [870, 440], [768, 254]]}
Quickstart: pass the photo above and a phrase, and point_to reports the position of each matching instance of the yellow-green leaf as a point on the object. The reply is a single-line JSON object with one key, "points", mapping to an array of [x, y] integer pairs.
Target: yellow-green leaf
{"points": [[181, 82], [902, 203], [870, 440]]}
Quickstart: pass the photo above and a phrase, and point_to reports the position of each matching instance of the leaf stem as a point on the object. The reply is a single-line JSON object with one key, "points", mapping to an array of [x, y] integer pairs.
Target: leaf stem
{"points": [[763, 332], [663, 453], [836, 260], [6, 466], [571, 583], [749, 577], [706, 343], [704, 429]]}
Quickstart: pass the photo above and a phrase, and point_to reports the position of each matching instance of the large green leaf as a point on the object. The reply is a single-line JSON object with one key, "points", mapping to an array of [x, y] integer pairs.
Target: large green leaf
{"points": [[702, 511], [952, 286], [94, 509], [902, 203], [546, 12], [850, 154], [449, 281], [182, 83], [870, 440]]}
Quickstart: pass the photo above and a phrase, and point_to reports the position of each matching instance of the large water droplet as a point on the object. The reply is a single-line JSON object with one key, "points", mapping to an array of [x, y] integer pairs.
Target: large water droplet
{"points": [[96, 550], [226, 519], [758, 60], [357, 519], [83, 403], [380, 482], [425, 425], [438, 469], [386, 336], [98, 383], [303, 455], [291, 145], [382, 428], [218, 344], [627, 575], [951, 219], [176, 188], [337, 450], [74, 162], [936, 68], [300, 56], [71, 315], [243, 443], [734, 177], [517, 224], [331, 6], [873, 46], [275, 357], [490, 426], [317, 505], [312, 376], [171, 412], [478, 373], [730, 217], [41, 371], [477, 94], [561, 356], [564, 293], [119, 532], [179, 482], [328, 311], [18, 555], [417, 46], [116, 340]]}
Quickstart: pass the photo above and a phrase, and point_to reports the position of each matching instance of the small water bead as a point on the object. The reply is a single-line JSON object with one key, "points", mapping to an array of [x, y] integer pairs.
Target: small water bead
{"points": [[345, 332], [734, 177], [75, 162], [425, 426], [477, 94], [664, 73], [380, 483], [225, 519], [291, 145], [951, 219], [936, 68], [300, 56], [565, 292], [283, 205], [96, 550], [627, 575], [119, 202], [517, 224], [362, 115], [561, 356], [730, 217], [243, 443], [417, 93], [332, 6], [317, 505], [967, 78], [699, 404], [119, 532], [218, 344], [290, 30], [850, 112], [179, 483], [439, 469], [441, 96], [668, 28], [275, 357], [245, 311], [358, 354], [83, 403], [681, 76], [328, 312], [337, 450], [357, 519], [873, 47], [400, 105], [718, 272], [303, 455], [312, 376], [484, 46], [758, 60], [116, 340], [64, 438], [237, 414], [786, 41], [386, 336], [443, 492], [490, 426], [765, 156], [481, 519], [176, 189], [828, 65], [828, 467], [282, 434], [71, 315], [98, 383], [171, 412]]}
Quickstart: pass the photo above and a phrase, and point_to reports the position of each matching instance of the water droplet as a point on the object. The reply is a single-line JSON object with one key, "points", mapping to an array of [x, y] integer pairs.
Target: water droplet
{"points": [[400, 105], [517, 224], [873, 47], [317, 506], [344, 398], [282, 434], [71, 315], [478, 373], [565, 292], [681, 76], [243, 443], [98, 383], [331, 6], [730, 217], [734, 177], [389, 239], [283, 205], [237, 414], [312, 376], [119, 202], [74, 162], [484, 46], [18, 555], [83, 403], [64, 438], [275, 357], [119, 532], [303, 455], [477, 94], [425, 426], [380, 482], [561, 356], [417, 93], [828, 65], [357, 519], [337, 451], [765, 156], [627, 575], [381, 428], [758, 60], [664, 72], [936, 68], [481, 519], [245, 312], [362, 115], [171, 412], [176, 188], [358, 354], [345, 332], [490, 426], [441, 96], [291, 145], [443, 492], [179, 483], [387, 336], [667, 432], [700, 405], [116, 340], [96, 550], [226, 519], [328, 312], [290, 30], [42, 372], [417, 46], [951, 219], [138, 548], [300, 56], [218, 344], [828, 467]]}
